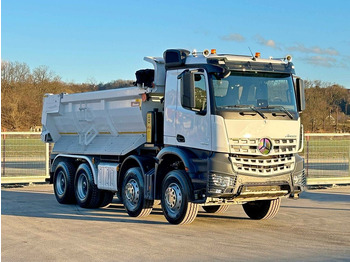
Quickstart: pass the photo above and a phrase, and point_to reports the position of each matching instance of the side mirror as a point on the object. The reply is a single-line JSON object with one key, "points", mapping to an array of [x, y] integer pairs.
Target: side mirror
{"points": [[187, 86], [300, 90]]}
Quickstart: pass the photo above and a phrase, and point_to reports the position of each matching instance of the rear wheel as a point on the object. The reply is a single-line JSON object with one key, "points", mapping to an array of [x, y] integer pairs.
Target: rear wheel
{"points": [[86, 191], [133, 194], [175, 199], [262, 209], [216, 209], [63, 183], [106, 198]]}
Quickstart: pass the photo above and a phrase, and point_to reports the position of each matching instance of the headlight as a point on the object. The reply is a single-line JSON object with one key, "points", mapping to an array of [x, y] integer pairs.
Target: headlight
{"points": [[222, 181]]}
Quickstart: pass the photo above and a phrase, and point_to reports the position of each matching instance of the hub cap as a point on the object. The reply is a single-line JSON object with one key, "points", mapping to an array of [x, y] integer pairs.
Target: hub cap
{"points": [[82, 186], [173, 199], [60, 183], [132, 194]]}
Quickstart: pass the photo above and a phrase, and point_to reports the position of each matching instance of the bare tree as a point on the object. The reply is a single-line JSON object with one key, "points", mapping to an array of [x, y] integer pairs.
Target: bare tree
{"points": [[14, 73], [323, 106]]}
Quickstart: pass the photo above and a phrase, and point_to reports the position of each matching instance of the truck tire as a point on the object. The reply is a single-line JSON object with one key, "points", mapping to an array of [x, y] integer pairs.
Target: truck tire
{"points": [[133, 194], [106, 198], [63, 183], [216, 208], [175, 202], [262, 209], [86, 192]]}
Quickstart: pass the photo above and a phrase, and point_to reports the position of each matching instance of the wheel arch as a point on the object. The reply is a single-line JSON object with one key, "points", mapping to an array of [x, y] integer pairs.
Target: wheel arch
{"points": [[71, 158], [145, 164], [171, 158]]}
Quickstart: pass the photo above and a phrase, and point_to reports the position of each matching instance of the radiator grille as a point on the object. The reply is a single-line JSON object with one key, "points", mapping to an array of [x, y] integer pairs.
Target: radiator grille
{"points": [[271, 165], [250, 146]]}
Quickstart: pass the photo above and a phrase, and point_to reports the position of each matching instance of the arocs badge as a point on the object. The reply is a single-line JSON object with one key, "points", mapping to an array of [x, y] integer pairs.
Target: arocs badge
{"points": [[265, 146]]}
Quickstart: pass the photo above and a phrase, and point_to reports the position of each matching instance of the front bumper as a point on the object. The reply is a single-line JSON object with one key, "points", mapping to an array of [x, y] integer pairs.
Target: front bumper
{"points": [[225, 182]]}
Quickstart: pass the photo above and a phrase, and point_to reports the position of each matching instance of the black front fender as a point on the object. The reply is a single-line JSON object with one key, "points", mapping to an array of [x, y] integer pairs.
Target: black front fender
{"points": [[194, 164], [186, 156]]}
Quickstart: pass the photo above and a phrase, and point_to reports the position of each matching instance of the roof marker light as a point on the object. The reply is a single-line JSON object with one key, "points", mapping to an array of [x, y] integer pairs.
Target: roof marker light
{"points": [[213, 51], [144, 97], [257, 55], [206, 52]]}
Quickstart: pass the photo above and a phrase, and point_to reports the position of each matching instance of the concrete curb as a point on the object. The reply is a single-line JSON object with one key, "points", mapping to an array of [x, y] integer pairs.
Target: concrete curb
{"points": [[328, 181], [23, 179]]}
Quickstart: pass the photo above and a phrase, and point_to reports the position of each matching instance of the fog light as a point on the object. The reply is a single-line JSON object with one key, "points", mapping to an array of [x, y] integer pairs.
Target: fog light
{"points": [[299, 179], [296, 179]]}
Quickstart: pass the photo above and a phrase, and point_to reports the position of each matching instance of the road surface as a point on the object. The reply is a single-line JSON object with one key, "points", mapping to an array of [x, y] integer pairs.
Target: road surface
{"points": [[36, 228]]}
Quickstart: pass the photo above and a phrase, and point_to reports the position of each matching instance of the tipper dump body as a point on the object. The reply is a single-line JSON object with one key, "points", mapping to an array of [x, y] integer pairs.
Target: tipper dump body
{"points": [[111, 122]]}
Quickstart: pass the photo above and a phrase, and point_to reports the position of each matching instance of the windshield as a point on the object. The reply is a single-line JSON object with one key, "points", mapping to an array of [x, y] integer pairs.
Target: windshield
{"points": [[267, 91]]}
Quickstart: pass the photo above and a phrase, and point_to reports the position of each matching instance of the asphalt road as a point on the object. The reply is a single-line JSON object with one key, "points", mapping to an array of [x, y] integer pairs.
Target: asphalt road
{"points": [[34, 227]]}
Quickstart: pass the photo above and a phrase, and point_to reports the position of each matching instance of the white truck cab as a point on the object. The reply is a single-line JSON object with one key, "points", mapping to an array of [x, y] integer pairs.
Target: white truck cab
{"points": [[199, 129]]}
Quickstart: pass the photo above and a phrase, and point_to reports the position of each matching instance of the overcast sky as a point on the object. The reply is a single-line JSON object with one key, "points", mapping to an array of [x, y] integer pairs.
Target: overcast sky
{"points": [[101, 41]]}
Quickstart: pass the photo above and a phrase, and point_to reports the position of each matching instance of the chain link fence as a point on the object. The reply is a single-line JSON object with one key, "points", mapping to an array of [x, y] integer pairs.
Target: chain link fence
{"points": [[25, 158]]}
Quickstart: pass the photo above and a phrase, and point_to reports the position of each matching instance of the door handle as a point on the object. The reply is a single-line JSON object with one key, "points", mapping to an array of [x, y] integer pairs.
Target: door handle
{"points": [[180, 138]]}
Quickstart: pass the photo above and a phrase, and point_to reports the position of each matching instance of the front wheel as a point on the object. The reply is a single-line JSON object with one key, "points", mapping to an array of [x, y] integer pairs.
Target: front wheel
{"points": [[175, 199], [133, 194], [262, 209]]}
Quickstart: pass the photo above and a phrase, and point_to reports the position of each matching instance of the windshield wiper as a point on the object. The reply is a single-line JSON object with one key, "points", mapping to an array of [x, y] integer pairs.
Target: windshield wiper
{"points": [[282, 109], [257, 111], [251, 107], [238, 106]]}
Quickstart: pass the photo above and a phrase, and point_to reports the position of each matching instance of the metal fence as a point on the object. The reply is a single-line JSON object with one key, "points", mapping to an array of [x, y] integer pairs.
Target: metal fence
{"points": [[327, 158], [24, 158]]}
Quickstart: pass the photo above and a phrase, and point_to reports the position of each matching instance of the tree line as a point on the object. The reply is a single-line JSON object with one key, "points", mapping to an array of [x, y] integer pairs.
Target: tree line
{"points": [[22, 91], [327, 108]]}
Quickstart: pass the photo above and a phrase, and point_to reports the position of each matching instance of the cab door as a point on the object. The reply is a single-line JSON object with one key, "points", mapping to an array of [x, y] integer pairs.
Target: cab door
{"points": [[192, 113]]}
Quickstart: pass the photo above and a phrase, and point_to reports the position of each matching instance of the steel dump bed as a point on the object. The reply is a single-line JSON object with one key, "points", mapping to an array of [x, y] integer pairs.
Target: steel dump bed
{"points": [[110, 122]]}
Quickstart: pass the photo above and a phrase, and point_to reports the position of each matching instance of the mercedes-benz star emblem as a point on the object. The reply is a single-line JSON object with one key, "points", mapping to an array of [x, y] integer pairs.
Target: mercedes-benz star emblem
{"points": [[265, 146]]}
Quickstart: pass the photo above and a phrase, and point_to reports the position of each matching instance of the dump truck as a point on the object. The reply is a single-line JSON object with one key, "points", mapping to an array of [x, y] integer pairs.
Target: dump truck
{"points": [[197, 129]]}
